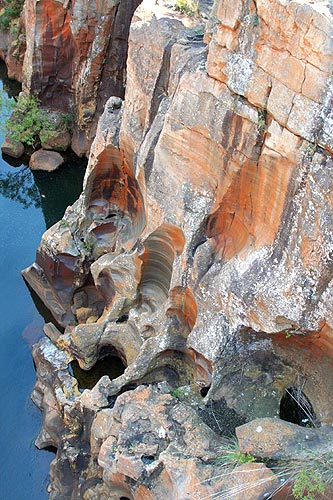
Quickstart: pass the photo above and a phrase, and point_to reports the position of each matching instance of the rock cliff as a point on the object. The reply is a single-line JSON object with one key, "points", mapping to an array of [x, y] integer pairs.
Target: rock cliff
{"points": [[75, 57], [200, 251]]}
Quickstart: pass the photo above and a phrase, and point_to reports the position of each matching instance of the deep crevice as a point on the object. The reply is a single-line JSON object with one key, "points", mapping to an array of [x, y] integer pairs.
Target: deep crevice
{"points": [[109, 365], [295, 407]]}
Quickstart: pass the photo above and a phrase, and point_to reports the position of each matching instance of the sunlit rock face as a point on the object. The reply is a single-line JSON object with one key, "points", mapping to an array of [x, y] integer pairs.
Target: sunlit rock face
{"points": [[76, 57], [200, 251]]}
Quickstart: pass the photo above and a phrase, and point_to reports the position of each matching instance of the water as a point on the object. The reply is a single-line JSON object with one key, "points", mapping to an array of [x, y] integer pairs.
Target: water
{"points": [[110, 365], [28, 204]]}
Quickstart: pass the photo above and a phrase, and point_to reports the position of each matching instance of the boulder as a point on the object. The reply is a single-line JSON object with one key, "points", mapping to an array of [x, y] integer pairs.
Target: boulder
{"points": [[58, 142], [276, 439], [45, 160], [12, 148]]}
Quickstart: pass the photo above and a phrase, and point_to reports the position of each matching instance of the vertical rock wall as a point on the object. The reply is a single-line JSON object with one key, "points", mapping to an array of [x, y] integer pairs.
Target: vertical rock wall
{"points": [[205, 222], [76, 58]]}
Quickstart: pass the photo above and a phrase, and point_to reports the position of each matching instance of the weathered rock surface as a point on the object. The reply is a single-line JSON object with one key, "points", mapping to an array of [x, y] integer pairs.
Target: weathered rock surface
{"points": [[76, 57], [45, 160], [146, 444], [276, 439], [202, 244], [12, 148], [12, 48]]}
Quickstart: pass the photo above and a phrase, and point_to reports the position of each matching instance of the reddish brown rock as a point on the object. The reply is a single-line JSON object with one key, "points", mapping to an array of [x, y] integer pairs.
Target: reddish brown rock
{"points": [[203, 229], [12, 48], [124, 457], [12, 148], [76, 57], [45, 160], [276, 439], [281, 46]]}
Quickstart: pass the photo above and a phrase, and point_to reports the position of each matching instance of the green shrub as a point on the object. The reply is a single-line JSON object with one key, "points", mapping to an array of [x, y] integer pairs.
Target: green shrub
{"points": [[231, 456], [53, 124], [88, 246], [29, 123], [261, 123], [189, 7], [10, 12], [311, 474], [14, 28], [26, 121], [307, 484]]}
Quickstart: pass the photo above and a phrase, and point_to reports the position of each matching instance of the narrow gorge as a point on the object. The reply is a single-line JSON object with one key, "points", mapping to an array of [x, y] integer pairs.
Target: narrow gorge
{"points": [[190, 351]]}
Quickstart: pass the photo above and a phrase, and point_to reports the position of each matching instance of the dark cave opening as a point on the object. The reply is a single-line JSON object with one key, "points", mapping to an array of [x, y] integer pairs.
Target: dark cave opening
{"points": [[295, 407], [147, 459], [204, 391], [123, 318], [109, 365], [51, 449]]}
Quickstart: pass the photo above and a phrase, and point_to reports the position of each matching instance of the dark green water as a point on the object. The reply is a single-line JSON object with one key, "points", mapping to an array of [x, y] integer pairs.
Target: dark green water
{"points": [[110, 365], [28, 204]]}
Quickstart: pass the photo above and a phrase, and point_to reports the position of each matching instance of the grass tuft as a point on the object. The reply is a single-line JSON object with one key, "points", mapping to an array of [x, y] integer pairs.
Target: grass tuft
{"points": [[189, 7]]}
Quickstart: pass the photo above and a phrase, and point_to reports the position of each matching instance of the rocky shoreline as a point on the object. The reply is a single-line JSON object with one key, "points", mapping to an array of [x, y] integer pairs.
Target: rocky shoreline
{"points": [[199, 253]]}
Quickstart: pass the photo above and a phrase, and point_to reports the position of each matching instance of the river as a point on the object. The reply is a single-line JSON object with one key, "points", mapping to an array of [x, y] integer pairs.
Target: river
{"points": [[29, 203]]}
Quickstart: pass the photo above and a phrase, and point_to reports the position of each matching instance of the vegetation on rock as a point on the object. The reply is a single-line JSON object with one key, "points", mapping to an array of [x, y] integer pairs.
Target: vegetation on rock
{"points": [[307, 484], [189, 7], [29, 123], [310, 475], [232, 457], [10, 12]]}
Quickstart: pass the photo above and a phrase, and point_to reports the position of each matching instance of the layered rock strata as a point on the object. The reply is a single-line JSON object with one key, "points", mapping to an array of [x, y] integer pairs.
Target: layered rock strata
{"points": [[204, 228]]}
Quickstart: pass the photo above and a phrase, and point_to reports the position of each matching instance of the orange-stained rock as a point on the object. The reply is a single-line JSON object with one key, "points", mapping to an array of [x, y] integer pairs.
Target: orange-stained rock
{"points": [[140, 448], [204, 227], [251, 209], [274, 438], [148, 71], [276, 44], [76, 56], [182, 302]]}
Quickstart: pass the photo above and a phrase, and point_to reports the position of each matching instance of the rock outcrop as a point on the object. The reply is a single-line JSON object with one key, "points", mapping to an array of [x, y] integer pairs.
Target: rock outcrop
{"points": [[146, 444], [200, 252], [75, 58]]}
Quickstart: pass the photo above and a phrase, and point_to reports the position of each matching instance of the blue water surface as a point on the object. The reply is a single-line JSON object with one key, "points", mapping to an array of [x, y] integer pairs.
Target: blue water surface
{"points": [[28, 204]]}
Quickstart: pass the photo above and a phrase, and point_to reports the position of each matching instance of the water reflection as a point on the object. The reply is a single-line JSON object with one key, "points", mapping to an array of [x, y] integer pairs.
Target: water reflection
{"points": [[52, 191], [11, 87], [19, 186], [27, 201], [60, 188]]}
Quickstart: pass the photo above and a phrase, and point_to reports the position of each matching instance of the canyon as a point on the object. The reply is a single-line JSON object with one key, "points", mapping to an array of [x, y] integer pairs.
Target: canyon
{"points": [[199, 253]]}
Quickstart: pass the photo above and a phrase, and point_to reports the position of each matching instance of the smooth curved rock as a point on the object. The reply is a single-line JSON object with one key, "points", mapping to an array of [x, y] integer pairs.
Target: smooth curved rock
{"points": [[201, 244], [276, 439], [45, 160]]}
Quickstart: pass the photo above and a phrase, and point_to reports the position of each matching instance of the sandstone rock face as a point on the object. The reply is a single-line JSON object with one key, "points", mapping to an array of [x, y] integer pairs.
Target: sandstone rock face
{"points": [[148, 444], [76, 57], [267, 437], [45, 160], [280, 58], [12, 48], [202, 244]]}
